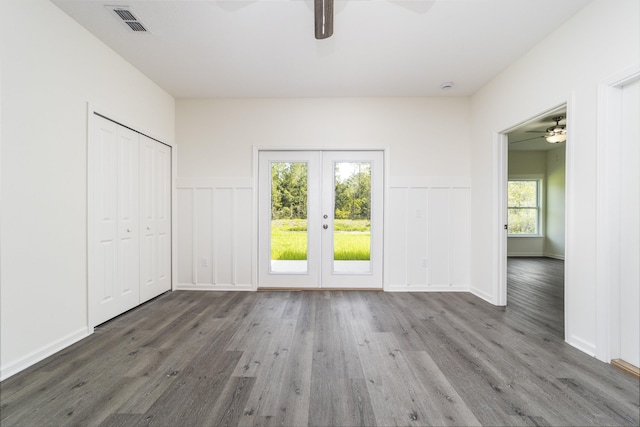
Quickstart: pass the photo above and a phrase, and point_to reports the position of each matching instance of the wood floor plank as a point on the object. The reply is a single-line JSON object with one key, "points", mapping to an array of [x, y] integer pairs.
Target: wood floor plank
{"points": [[330, 358], [295, 385], [335, 400]]}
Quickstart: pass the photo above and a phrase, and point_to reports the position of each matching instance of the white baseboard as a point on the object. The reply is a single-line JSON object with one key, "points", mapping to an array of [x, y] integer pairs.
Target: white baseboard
{"points": [[482, 295], [210, 287], [42, 353], [525, 254], [426, 288], [582, 345], [535, 255]]}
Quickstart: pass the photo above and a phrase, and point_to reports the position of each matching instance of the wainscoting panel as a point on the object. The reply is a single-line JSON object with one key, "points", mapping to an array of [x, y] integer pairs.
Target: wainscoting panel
{"points": [[215, 234], [428, 241], [186, 200]]}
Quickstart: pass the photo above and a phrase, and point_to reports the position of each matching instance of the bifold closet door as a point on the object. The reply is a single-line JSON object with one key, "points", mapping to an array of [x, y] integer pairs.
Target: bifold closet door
{"points": [[155, 211], [115, 277]]}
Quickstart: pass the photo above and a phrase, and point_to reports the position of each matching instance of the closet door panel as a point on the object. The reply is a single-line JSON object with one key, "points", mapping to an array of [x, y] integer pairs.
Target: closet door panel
{"points": [[128, 218], [115, 262], [155, 207], [163, 188]]}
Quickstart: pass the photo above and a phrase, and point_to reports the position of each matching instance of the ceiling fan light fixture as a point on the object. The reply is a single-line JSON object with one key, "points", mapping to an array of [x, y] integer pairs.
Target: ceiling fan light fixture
{"points": [[557, 133], [554, 139]]}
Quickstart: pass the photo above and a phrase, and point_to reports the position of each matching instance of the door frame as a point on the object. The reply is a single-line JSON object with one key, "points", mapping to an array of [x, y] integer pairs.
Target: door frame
{"points": [[607, 207], [94, 109], [255, 250], [500, 180]]}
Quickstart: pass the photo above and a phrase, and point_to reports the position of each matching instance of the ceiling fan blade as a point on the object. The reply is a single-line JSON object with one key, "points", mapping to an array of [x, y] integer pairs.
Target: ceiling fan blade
{"points": [[528, 139], [323, 18]]}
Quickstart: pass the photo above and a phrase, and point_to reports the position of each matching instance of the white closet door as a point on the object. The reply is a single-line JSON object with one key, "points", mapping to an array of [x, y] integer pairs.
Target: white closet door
{"points": [[115, 272], [155, 209]]}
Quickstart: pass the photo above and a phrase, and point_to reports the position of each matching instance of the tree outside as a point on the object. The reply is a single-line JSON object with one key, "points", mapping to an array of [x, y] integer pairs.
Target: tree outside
{"points": [[352, 224], [522, 214]]}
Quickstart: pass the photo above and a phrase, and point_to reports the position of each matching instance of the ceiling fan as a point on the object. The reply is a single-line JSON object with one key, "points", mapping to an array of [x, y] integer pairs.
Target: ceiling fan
{"points": [[553, 134], [323, 14], [323, 18]]}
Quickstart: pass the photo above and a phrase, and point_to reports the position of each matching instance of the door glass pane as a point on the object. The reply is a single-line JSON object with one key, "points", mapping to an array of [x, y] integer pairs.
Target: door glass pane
{"points": [[352, 217], [289, 237]]}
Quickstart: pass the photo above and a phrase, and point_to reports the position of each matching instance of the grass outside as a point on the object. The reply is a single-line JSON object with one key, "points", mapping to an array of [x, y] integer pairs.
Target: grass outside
{"points": [[352, 240]]}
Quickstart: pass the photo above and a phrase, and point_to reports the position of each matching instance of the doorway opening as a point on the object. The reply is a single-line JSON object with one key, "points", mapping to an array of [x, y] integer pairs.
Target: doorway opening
{"points": [[533, 211], [320, 219]]}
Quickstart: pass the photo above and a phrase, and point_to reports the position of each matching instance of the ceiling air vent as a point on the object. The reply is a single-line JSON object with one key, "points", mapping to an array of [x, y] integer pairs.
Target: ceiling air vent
{"points": [[124, 15]]}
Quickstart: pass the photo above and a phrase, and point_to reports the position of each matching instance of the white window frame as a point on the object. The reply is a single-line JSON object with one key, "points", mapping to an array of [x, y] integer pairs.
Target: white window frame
{"points": [[540, 204]]}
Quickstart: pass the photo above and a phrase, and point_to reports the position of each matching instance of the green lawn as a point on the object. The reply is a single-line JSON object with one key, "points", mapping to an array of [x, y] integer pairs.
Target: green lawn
{"points": [[289, 239]]}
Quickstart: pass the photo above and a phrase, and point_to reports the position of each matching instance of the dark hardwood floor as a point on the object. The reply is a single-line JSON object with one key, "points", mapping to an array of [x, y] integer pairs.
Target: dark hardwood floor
{"points": [[535, 292], [324, 358]]}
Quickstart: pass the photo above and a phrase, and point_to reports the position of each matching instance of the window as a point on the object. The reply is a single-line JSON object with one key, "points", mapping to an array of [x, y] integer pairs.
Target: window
{"points": [[523, 213]]}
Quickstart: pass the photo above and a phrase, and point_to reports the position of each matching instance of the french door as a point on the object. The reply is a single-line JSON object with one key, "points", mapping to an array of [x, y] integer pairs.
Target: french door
{"points": [[320, 219]]}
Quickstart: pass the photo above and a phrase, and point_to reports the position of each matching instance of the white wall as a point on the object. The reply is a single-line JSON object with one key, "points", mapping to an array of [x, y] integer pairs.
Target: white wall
{"points": [[51, 69], [598, 42], [555, 207], [428, 147]]}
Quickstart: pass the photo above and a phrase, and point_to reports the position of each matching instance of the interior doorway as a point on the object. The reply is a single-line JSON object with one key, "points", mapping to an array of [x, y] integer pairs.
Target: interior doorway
{"points": [[533, 192], [320, 219]]}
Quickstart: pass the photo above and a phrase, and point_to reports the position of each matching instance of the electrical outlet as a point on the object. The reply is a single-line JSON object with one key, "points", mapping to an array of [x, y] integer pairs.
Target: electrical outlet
{"points": [[204, 262], [424, 263]]}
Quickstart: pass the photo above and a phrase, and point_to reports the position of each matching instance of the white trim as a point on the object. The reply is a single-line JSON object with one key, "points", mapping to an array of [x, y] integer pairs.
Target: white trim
{"points": [[194, 242], [525, 254], [581, 345], [215, 287], [255, 247], [500, 178], [570, 194], [426, 288], [607, 285], [43, 352], [482, 295], [385, 218]]}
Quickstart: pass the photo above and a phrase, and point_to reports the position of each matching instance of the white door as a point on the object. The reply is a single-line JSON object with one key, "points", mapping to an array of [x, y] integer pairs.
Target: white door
{"points": [[320, 219], [155, 213], [115, 273]]}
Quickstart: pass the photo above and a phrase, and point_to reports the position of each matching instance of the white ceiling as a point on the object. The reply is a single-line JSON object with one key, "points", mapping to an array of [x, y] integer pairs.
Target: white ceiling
{"points": [[266, 48]]}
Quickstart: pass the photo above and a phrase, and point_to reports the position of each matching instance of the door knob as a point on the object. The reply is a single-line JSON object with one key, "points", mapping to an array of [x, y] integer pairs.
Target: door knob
{"points": [[148, 228], [325, 216], [325, 226], [128, 230]]}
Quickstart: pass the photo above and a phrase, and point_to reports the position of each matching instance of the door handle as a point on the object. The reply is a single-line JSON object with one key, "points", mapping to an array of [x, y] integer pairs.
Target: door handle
{"points": [[128, 230], [325, 226]]}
